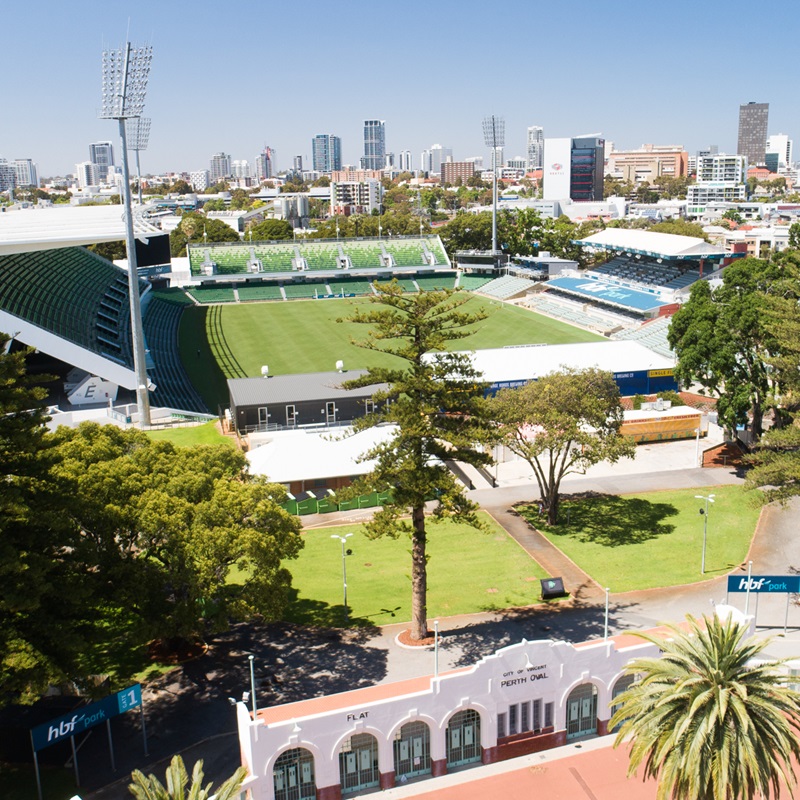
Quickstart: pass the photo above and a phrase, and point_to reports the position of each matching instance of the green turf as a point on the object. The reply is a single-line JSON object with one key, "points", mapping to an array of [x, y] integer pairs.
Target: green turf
{"points": [[18, 782], [303, 336], [469, 570], [644, 541], [192, 435]]}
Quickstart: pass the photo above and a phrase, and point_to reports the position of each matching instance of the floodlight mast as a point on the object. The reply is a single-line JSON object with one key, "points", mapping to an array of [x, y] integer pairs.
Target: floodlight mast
{"points": [[494, 135], [138, 132], [125, 74]]}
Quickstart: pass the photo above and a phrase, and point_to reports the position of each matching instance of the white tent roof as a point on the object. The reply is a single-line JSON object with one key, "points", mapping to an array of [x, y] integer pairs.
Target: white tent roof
{"points": [[650, 243], [297, 455], [26, 230]]}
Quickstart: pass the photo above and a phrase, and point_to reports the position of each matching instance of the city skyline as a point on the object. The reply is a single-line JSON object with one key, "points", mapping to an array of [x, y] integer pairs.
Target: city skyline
{"points": [[568, 84]]}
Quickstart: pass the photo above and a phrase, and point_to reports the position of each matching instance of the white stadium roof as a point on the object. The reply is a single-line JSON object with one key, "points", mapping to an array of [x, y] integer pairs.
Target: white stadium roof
{"points": [[666, 245], [26, 230]]}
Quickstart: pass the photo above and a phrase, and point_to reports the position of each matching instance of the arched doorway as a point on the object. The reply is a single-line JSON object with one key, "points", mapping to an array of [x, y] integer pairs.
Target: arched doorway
{"points": [[358, 763], [293, 775], [412, 751], [582, 711], [623, 683], [463, 738]]}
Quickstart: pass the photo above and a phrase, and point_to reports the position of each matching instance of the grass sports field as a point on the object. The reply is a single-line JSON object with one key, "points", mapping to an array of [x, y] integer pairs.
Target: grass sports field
{"points": [[237, 339]]}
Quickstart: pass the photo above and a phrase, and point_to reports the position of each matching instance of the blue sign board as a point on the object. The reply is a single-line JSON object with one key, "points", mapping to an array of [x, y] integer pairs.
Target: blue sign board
{"points": [[776, 584], [86, 717]]}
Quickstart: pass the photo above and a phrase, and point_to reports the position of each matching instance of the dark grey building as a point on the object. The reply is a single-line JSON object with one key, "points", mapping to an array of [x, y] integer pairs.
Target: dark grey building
{"points": [[753, 119], [296, 401], [587, 160]]}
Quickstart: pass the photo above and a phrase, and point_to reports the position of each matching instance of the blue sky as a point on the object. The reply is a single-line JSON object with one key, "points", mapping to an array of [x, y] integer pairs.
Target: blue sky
{"points": [[235, 76]]}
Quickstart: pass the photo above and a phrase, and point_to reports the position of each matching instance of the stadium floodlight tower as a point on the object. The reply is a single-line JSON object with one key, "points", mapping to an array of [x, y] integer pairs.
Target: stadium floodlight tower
{"points": [[138, 132], [494, 135], [125, 74]]}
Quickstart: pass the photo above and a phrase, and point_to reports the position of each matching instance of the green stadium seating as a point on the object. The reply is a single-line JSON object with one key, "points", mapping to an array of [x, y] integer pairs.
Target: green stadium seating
{"points": [[260, 293], [430, 282], [472, 283], [304, 290], [72, 293], [176, 296], [355, 287], [212, 295]]}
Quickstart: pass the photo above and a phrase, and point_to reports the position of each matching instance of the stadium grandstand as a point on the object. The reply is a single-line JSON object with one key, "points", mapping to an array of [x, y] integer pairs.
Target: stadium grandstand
{"points": [[645, 275], [320, 256]]}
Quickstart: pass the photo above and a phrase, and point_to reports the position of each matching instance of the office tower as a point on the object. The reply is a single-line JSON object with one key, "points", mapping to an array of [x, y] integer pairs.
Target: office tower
{"points": [[781, 145], [438, 156], [264, 165], [374, 144], [535, 147], [102, 154], [297, 163], [405, 163], [753, 118], [326, 152], [426, 161], [388, 161], [497, 158], [220, 167], [587, 159], [25, 172]]}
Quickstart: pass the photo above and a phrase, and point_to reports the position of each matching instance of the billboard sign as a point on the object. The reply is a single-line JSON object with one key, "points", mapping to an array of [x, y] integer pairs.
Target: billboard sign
{"points": [[86, 717], [773, 584]]}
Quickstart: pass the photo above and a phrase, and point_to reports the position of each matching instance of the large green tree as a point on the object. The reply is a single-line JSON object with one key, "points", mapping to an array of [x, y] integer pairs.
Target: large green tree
{"points": [[722, 343], [195, 228], [561, 424], [149, 787], [43, 584], [435, 399], [708, 719], [270, 229], [168, 525]]}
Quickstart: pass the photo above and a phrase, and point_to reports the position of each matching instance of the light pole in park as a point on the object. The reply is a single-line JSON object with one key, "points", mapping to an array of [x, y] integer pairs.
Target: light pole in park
{"points": [[138, 131], [343, 540], [125, 74], [704, 512], [494, 135]]}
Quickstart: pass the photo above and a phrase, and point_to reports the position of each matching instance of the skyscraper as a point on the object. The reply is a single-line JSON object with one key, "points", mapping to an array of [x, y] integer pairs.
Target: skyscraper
{"points": [[220, 167], [781, 145], [374, 144], [264, 165], [405, 162], [753, 118], [326, 150], [586, 168], [25, 172], [102, 155], [535, 147]]}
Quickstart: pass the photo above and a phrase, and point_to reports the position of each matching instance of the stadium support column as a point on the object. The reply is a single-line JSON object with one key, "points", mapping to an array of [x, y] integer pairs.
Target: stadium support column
{"points": [[137, 330]]}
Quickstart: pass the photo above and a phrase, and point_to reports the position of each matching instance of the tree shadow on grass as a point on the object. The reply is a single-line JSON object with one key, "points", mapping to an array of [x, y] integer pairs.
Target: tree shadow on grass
{"points": [[604, 519], [306, 611]]}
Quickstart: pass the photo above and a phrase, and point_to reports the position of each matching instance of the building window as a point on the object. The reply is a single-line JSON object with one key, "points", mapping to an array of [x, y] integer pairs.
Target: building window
{"points": [[548, 715], [512, 720], [524, 719], [537, 715], [501, 726]]}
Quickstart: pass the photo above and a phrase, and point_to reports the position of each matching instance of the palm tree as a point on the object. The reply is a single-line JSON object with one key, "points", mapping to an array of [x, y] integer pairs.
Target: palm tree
{"points": [[149, 787], [705, 719]]}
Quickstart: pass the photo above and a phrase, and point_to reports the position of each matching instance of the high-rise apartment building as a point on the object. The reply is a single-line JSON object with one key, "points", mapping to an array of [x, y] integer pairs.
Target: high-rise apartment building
{"points": [[405, 162], [102, 155], [87, 174], [457, 172], [264, 165], [220, 167], [439, 155], [497, 155], [297, 164], [753, 119], [720, 179], [374, 144], [240, 169], [326, 152], [535, 147], [7, 176], [199, 180], [25, 172]]}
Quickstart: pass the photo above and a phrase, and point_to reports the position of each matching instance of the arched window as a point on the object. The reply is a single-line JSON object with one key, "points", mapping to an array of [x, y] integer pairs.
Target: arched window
{"points": [[582, 711], [358, 763], [412, 751], [293, 775], [463, 737]]}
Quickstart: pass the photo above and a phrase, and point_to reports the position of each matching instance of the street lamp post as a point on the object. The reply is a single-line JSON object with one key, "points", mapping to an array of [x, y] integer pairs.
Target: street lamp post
{"points": [[704, 511], [343, 540]]}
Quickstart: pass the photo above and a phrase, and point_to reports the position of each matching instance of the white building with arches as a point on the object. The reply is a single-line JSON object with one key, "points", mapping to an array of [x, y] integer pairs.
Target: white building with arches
{"points": [[524, 698]]}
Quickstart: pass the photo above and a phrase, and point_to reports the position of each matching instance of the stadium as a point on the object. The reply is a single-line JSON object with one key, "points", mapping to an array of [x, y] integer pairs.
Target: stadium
{"points": [[228, 311]]}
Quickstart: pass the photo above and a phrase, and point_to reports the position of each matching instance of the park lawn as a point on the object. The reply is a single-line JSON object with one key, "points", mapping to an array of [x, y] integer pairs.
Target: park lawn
{"points": [[18, 782], [469, 570], [303, 336], [188, 436], [653, 539]]}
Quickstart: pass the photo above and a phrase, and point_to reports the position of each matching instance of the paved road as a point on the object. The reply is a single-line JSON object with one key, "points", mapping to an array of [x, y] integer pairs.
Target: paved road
{"points": [[191, 703]]}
